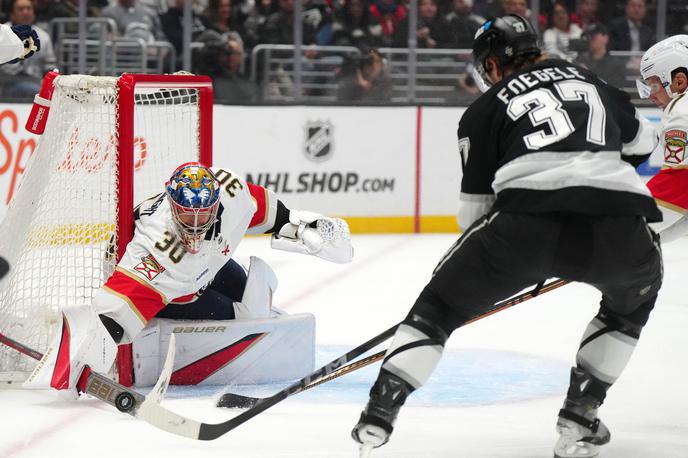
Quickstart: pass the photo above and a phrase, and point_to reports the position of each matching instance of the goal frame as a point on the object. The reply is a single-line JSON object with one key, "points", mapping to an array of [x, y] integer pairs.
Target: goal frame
{"points": [[126, 86]]}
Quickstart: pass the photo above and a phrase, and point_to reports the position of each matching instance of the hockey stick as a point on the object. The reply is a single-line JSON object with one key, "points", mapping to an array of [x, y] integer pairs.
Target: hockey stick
{"points": [[148, 408], [232, 400]]}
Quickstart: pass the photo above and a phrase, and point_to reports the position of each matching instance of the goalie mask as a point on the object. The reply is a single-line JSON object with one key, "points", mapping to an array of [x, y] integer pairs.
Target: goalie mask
{"points": [[194, 196]]}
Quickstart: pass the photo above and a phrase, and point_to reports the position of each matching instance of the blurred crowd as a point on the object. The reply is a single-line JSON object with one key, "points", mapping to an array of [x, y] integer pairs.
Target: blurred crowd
{"points": [[226, 31]]}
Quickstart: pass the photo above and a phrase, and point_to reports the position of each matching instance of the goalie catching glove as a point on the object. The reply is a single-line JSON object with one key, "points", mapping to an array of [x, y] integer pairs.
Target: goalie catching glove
{"points": [[29, 39], [317, 235]]}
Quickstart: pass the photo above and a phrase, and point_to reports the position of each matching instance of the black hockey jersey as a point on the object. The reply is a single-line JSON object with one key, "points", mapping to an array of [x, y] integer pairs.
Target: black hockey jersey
{"points": [[554, 138]]}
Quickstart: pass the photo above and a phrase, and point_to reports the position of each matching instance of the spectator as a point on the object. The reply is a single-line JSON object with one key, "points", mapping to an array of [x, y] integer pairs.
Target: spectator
{"points": [[597, 58], [463, 24], [628, 33], [255, 22], [47, 10], [586, 14], [489, 8], [319, 14], [432, 30], [365, 79], [220, 16], [172, 24], [24, 78], [353, 27], [519, 7], [221, 58], [279, 26], [556, 38], [387, 14], [126, 12]]}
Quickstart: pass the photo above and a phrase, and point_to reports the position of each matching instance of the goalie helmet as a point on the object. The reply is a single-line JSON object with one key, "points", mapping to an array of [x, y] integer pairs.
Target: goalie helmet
{"points": [[194, 196], [660, 61], [505, 38]]}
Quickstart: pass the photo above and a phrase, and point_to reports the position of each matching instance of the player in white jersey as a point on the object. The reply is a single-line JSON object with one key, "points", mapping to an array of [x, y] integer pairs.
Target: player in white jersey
{"points": [[664, 69], [178, 265], [17, 43]]}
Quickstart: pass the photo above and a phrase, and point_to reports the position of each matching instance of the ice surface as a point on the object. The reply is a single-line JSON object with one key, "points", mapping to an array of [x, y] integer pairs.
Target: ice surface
{"points": [[495, 394]]}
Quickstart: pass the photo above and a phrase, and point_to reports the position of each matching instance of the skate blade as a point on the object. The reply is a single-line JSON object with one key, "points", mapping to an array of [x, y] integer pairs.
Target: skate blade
{"points": [[578, 450], [365, 450]]}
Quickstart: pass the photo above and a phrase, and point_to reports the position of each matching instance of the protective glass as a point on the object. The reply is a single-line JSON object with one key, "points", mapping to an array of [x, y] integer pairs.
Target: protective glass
{"points": [[480, 77], [646, 89]]}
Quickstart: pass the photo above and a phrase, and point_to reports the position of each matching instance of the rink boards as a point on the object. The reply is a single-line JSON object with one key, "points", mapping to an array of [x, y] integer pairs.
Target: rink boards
{"points": [[385, 169]]}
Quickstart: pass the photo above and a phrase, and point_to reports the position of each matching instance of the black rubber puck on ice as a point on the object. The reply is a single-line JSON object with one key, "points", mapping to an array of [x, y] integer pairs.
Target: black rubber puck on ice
{"points": [[124, 402], [4, 267]]}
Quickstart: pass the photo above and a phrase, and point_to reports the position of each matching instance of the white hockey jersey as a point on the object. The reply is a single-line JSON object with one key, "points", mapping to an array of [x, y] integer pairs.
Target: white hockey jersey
{"points": [[156, 269], [672, 139], [11, 46]]}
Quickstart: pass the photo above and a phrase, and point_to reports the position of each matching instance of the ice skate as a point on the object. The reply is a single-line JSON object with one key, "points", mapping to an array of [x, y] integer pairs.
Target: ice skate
{"points": [[377, 420], [581, 433]]}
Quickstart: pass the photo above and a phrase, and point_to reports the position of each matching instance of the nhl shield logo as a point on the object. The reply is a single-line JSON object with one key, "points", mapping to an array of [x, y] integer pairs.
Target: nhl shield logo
{"points": [[319, 140]]}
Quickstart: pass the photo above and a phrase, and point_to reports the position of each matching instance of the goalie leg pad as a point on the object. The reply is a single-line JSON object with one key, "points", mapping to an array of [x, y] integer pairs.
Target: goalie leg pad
{"points": [[261, 284], [81, 340]]}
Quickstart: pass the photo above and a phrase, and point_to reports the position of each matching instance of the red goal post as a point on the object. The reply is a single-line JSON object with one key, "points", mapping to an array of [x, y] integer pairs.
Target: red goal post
{"points": [[109, 143]]}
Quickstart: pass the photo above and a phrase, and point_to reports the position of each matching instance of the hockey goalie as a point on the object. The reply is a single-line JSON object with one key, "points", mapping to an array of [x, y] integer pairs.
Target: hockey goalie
{"points": [[179, 266]]}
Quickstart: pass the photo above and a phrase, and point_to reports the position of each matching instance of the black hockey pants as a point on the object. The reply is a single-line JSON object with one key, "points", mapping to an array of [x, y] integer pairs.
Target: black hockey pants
{"points": [[216, 301], [504, 253]]}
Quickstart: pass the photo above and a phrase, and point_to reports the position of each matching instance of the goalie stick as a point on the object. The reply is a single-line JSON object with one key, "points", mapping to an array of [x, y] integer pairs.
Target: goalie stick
{"points": [[148, 408], [233, 400]]}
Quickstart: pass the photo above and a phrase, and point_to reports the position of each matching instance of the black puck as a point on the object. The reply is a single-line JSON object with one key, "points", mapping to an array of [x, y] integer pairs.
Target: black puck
{"points": [[124, 402], [4, 267]]}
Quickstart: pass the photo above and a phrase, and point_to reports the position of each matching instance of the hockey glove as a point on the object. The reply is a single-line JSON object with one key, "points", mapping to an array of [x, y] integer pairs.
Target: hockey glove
{"points": [[317, 235], [29, 37]]}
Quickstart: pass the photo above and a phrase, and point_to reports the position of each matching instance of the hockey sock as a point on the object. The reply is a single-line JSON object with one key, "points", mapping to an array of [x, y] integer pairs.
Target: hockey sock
{"points": [[415, 351], [606, 347]]}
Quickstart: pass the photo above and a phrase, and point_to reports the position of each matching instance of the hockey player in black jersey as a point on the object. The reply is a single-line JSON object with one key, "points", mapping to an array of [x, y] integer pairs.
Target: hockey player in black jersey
{"points": [[548, 190]]}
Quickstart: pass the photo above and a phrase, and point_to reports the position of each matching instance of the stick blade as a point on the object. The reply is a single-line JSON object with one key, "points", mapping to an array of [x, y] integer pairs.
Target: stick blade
{"points": [[236, 401], [160, 388]]}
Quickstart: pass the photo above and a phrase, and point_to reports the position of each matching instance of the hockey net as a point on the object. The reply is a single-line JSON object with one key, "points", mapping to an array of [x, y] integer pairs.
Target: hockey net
{"points": [[109, 143]]}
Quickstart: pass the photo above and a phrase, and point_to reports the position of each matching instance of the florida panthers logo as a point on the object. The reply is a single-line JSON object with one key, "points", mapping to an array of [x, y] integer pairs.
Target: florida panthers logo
{"points": [[675, 146], [149, 267]]}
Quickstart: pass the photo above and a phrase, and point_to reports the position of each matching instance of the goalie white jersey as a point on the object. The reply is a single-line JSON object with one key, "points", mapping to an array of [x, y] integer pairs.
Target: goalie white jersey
{"points": [[156, 269]]}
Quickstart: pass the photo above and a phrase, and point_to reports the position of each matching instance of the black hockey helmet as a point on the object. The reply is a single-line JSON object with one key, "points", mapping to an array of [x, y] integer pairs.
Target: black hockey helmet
{"points": [[506, 38]]}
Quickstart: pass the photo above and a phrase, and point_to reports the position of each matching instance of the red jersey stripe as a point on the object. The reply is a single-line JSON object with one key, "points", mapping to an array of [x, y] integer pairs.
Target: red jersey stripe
{"points": [[186, 299], [260, 195], [145, 300]]}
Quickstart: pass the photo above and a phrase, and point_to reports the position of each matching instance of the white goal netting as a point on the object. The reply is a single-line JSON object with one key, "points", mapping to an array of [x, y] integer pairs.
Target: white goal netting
{"points": [[60, 230]]}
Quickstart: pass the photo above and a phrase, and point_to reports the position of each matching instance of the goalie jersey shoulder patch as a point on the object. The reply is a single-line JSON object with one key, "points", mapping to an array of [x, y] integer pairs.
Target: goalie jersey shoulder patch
{"points": [[149, 267]]}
